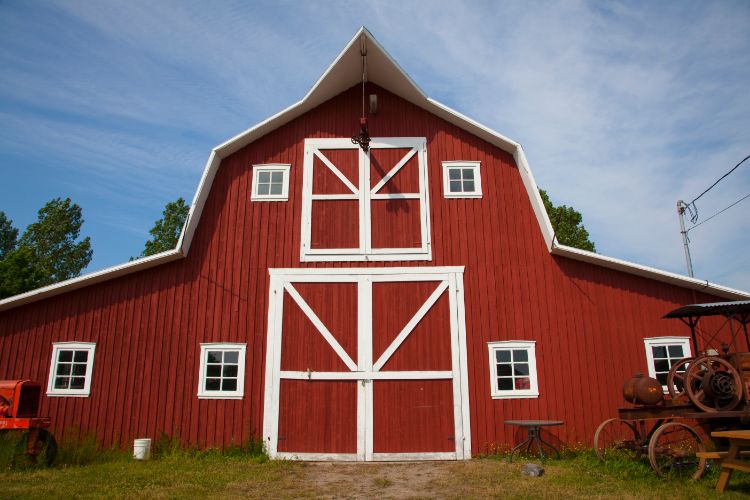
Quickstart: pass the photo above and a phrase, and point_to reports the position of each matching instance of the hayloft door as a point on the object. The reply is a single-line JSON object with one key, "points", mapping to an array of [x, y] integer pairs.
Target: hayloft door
{"points": [[366, 364]]}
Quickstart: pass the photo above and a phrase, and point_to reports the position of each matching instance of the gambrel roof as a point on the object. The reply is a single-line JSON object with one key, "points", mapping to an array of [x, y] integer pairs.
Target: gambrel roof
{"points": [[343, 73]]}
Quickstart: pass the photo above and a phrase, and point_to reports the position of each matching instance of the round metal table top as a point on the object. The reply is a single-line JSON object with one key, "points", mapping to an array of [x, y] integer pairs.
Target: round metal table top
{"points": [[534, 423]]}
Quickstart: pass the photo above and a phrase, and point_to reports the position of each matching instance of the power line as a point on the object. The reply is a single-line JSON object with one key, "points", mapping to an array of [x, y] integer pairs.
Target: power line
{"points": [[720, 211], [692, 208], [719, 180]]}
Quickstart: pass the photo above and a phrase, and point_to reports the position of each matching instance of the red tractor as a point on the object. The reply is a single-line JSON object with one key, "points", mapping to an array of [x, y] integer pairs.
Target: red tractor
{"points": [[19, 411]]}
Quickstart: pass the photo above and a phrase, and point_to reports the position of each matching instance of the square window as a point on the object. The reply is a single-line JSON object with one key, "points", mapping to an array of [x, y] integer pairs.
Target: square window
{"points": [[664, 352], [222, 371], [71, 369], [270, 182], [513, 368], [461, 179]]}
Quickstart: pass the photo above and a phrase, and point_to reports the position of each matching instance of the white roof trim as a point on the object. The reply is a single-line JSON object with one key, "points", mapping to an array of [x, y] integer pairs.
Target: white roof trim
{"points": [[340, 75], [90, 279]]}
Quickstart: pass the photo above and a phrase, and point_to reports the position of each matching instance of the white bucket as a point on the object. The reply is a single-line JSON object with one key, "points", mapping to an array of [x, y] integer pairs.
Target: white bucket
{"points": [[142, 449]]}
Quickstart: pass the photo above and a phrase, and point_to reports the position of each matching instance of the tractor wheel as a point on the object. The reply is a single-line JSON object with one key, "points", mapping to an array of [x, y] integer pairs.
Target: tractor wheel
{"points": [[42, 452]]}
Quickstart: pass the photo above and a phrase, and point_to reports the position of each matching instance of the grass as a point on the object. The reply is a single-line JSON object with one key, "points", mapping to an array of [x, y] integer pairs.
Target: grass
{"points": [[244, 471]]}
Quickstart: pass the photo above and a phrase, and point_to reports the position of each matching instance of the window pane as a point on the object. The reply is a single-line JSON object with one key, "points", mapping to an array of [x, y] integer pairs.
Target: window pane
{"points": [[229, 384], [659, 351], [468, 174], [504, 384], [213, 370], [468, 186], [63, 369], [521, 369], [661, 365], [523, 383], [230, 371], [277, 177], [455, 186], [263, 188], [520, 355], [213, 357], [502, 356], [79, 369], [662, 377], [454, 174], [231, 357], [275, 188], [65, 356], [504, 370], [61, 382], [213, 384], [675, 351], [264, 177], [77, 382], [81, 356]]}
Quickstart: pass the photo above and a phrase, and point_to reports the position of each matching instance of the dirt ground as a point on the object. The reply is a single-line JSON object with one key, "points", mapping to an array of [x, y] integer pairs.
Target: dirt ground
{"points": [[373, 480]]}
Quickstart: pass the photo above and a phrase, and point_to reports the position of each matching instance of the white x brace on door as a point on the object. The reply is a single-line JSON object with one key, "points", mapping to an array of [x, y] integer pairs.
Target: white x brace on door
{"points": [[343, 382]]}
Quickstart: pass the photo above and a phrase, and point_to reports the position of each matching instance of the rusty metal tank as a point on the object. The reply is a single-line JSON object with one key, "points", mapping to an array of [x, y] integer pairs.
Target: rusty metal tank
{"points": [[642, 390]]}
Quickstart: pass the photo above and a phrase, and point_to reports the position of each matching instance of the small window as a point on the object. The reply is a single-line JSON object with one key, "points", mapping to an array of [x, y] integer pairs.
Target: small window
{"points": [[461, 179], [222, 374], [270, 182], [513, 369], [662, 353], [70, 370]]}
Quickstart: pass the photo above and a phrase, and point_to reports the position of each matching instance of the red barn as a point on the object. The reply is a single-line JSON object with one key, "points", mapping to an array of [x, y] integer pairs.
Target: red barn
{"points": [[393, 303]]}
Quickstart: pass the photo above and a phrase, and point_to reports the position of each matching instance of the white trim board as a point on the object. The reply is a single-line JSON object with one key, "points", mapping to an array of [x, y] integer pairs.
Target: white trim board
{"points": [[344, 72], [366, 369]]}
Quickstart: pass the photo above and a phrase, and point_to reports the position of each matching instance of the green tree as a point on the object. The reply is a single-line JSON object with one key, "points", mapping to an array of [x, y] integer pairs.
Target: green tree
{"points": [[55, 254], [166, 231], [568, 225], [18, 273], [8, 235]]}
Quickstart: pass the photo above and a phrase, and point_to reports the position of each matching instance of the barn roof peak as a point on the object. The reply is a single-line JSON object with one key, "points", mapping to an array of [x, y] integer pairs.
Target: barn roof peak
{"points": [[343, 73]]}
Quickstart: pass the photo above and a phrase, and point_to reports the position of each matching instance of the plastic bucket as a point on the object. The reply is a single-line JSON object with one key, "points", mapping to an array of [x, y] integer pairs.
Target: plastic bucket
{"points": [[142, 449]]}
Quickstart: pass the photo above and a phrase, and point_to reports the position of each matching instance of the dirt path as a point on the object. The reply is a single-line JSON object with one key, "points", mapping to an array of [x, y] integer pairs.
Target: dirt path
{"points": [[387, 480]]}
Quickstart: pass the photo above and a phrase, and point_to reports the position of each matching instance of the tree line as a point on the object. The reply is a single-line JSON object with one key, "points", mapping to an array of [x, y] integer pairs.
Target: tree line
{"points": [[50, 250]]}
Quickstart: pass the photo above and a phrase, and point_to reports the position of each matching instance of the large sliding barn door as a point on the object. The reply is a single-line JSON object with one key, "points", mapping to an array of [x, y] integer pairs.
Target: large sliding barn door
{"points": [[366, 364]]}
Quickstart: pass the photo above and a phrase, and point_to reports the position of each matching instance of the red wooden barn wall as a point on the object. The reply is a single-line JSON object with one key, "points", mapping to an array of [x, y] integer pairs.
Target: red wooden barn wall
{"points": [[588, 321]]}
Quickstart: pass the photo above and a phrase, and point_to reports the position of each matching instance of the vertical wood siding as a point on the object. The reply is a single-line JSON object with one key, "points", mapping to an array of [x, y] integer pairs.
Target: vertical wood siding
{"points": [[588, 322]]}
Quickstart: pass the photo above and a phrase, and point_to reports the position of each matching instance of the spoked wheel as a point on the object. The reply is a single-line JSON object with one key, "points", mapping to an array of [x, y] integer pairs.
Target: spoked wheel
{"points": [[676, 378], [672, 450], [617, 438], [42, 451], [713, 384]]}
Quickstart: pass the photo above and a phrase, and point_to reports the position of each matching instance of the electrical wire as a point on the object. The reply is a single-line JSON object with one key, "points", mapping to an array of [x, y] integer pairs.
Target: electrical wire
{"points": [[693, 209], [720, 211]]}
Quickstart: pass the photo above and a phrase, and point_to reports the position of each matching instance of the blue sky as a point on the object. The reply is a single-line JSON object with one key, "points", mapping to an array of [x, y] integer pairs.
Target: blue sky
{"points": [[622, 108]]}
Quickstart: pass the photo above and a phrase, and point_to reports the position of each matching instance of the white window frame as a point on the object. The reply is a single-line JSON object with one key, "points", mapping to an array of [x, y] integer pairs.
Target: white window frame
{"points": [[530, 347], [214, 346], [90, 347], [664, 341], [365, 252], [474, 166], [271, 167]]}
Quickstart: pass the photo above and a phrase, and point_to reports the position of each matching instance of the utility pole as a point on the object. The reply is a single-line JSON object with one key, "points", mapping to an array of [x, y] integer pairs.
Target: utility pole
{"points": [[681, 206]]}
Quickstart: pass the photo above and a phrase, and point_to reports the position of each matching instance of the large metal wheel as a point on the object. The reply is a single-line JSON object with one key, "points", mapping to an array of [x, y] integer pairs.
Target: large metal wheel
{"points": [[672, 450], [713, 384], [617, 438], [676, 378]]}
